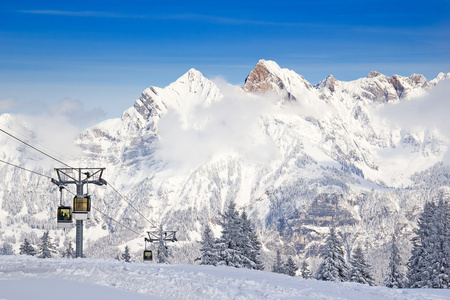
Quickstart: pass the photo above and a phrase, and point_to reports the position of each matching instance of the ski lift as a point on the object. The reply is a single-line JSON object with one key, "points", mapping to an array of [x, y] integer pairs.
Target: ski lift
{"points": [[81, 207], [64, 218], [148, 254]]}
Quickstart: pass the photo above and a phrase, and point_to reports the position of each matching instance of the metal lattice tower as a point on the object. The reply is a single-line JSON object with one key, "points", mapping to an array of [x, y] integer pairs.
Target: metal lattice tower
{"points": [[79, 177], [161, 236]]}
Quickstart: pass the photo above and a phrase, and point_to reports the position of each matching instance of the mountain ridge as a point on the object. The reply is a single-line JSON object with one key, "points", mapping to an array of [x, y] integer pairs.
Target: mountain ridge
{"points": [[295, 156]]}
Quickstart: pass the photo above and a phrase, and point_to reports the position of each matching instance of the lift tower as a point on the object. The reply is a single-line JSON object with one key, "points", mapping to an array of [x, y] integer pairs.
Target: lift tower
{"points": [[161, 237], [82, 201]]}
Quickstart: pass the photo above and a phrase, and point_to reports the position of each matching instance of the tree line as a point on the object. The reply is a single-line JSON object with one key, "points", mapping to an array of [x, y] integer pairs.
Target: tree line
{"points": [[428, 266], [238, 246], [45, 248]]}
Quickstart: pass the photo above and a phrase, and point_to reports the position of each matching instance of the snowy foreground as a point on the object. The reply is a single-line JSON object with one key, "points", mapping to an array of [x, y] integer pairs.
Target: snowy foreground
{"points": [[26, 277]]}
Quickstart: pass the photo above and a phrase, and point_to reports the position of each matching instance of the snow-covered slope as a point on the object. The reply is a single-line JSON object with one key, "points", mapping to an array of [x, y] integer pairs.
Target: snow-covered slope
{"points": [[294, 155], [109, 279]]}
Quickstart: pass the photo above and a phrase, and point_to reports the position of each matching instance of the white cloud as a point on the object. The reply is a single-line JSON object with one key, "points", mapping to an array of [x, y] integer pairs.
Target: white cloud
{"points": [[428, 112], [53, 131], [75, 113], [97, 14], [229, 126]]}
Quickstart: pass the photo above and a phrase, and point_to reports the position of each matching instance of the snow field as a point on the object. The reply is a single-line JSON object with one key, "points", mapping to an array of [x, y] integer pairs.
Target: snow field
{"points": [[110, 279]]}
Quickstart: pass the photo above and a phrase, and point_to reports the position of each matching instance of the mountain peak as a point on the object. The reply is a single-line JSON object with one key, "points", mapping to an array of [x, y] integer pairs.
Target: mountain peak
{"points": [[269, 65], [189, 90], [259, 78], [268, 75], [441, 76], [191, 75], [374, 74], [328, 82]]}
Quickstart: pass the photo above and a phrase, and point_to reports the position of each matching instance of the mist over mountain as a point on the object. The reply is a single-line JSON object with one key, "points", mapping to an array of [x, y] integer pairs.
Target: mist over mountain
{"points": [[365, 155]]}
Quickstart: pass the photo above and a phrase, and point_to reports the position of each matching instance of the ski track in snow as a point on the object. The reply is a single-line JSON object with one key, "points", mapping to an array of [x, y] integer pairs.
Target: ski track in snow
{"points": [[25, 277]]}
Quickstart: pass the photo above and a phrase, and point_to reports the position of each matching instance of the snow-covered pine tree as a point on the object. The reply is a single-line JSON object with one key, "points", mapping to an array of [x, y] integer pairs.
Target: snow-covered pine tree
{"points": [[304, 271], [429, 265], [26, 248], [70, 252], [250, 243], [290, 267], [278, 266], [126, 257], [162, 254], [360, 271], [209, 252], [439, 257], [333, 266], [6, 249], [46, 247], [395, 277], [231, 251], [418, 273]]}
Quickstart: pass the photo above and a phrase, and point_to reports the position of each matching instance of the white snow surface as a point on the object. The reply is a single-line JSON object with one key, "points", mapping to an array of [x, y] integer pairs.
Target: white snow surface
{"points": [[26, 277]]}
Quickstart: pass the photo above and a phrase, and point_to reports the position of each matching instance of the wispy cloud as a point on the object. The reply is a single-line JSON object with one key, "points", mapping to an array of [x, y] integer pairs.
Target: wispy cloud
{"points": [[430, 110], [225, 127], [53, 130], [96, 14], [179, 17], [225, 20], [73, 111], [427, 112]]}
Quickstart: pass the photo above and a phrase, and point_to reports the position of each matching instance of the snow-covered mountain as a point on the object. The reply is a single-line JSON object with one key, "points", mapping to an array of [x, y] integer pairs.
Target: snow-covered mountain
{"points": [[294, 155]]}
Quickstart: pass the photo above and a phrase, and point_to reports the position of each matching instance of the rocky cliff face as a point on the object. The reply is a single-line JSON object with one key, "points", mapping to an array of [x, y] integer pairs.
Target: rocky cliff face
{"points": [[295, 156]]}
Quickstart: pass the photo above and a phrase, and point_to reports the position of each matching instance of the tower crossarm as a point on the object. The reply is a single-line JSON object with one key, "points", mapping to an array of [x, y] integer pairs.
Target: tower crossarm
{"points": [[79, 176]]}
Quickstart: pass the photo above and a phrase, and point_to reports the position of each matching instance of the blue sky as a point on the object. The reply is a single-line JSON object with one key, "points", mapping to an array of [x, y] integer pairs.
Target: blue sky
{"points": [[103, 54]]}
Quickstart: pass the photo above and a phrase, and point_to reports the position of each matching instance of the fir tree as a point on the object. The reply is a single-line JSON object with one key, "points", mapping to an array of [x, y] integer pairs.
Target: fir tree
{"points": [[278, 266], [209, 252], [162, 253], [418, 266], [70, 252], [26, 248], [7, 249], [250, 244], [395, 277], [126, 257], [333, 266], [230, 244], [439, 258], [429, 265], [360, 271], [290, 267], [46, 247], [304, 271]]}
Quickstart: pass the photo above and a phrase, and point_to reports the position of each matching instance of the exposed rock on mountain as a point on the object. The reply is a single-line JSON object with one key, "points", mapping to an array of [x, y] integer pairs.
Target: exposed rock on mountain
{"points": [[297, 159]]}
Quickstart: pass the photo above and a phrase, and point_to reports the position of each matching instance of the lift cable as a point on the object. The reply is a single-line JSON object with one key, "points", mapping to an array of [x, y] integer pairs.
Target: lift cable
{"points": [[116, 221], [71, 193], [70, 167], [124, 199], [22, 168], [25, 169], [109, 216], [48, 155], [31, 138]]}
